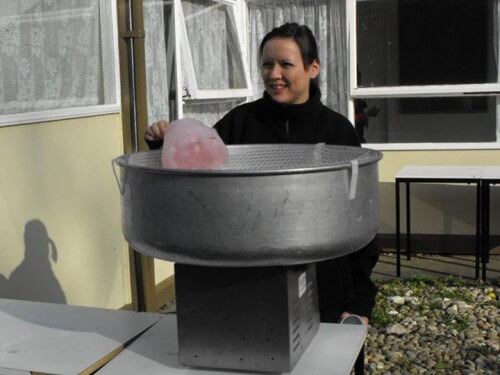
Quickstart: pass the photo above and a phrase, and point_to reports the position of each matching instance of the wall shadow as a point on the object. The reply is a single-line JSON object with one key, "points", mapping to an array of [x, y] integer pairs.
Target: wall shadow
{"points": [[33, 279]]}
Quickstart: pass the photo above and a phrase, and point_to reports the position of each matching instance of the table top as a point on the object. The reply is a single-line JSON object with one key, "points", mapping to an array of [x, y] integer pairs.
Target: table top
{"points": [[491, 173], [440, 172], [62, 339], [333, 350]]}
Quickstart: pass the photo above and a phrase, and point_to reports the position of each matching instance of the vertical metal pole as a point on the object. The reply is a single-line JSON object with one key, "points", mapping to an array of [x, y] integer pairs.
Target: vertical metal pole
{"points": [[408, 234], [139, 277], [398, 233], [131, 77]]}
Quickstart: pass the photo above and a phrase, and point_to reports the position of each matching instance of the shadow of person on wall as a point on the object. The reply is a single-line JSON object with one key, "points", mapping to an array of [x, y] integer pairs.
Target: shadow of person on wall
{"points": [[33, 279]]}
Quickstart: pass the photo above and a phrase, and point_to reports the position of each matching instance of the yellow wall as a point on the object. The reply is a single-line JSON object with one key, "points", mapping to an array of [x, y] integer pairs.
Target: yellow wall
{"points": [[56, 180], [59, 174], [163, 269], [436, 209]]}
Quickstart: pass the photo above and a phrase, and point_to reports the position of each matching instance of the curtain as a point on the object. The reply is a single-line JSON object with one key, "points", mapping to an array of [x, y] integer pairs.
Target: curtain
{"points": [[212, 41], [157, 82], [326, 19], [49, 55]]}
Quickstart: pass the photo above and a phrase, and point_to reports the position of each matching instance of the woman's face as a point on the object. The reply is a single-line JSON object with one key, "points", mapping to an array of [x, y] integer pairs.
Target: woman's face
{"points": [[282, 69]]}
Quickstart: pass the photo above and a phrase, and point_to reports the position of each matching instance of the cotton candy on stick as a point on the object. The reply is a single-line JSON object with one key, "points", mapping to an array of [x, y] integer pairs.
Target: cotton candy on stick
{"points": [[190, 144]]}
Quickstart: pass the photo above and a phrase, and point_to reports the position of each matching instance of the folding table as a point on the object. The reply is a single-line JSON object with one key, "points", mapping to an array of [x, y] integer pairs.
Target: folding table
{"points": [[434, 175], [333, 351], [63, 339], [52, 338]]}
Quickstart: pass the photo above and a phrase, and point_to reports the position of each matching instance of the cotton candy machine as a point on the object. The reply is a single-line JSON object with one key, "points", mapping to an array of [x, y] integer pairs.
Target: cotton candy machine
{"points": [[245, 239]]}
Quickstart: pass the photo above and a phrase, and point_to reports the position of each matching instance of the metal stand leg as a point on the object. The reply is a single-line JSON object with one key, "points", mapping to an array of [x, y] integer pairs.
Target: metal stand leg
{"points": [[398, 234], [408, 235]]}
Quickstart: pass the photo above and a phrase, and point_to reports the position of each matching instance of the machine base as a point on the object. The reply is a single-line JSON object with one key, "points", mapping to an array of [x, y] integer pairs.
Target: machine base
{"points": [[252, 318]]}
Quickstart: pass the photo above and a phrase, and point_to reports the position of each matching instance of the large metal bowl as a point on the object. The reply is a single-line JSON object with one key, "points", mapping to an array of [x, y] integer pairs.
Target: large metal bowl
{"points": [[272, 205]]}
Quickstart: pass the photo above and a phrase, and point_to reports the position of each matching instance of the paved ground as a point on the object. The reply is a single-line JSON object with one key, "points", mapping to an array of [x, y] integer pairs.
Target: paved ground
{"points": [[435, 265]]}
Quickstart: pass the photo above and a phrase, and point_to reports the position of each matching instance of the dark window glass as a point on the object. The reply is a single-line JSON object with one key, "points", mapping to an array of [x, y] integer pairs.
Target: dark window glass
{"points": [[427, 120], [425, 42]]}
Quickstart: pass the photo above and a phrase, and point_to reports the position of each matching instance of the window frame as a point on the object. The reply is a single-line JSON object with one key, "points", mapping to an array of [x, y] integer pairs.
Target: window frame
{"points": [[111, 78], [417, 91], [189, 89]]}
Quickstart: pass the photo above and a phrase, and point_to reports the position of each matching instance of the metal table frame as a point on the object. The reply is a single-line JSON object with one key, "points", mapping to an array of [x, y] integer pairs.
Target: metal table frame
{"points": [[491, 176], [437, 174]]}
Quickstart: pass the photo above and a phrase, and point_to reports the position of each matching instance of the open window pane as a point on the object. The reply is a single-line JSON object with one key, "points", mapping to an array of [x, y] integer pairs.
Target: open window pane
{"points": [[426, 42], [428, 120], [214, 46]]}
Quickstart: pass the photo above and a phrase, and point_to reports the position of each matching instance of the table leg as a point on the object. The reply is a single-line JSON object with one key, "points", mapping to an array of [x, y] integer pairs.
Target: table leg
{"points": [[485, 226], [359, 365], [398, 234], [139, 282], [487, 222], [408, 235], [479, 245]]}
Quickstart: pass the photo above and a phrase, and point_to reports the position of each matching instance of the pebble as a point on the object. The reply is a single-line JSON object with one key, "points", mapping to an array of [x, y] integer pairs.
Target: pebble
{"points": [[429, 334], [396, 329], [397, 300]]}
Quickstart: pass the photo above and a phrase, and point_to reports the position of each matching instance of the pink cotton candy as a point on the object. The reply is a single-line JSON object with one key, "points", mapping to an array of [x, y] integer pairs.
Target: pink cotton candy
{"points": [[189, 144]]}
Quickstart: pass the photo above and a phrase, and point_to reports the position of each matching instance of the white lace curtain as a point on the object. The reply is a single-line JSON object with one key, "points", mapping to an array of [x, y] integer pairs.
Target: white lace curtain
{"points": [[326, 18], [157, 82], [49, 55]]}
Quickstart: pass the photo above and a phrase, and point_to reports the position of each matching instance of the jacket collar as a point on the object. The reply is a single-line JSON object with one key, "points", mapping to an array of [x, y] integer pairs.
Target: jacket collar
{"points": [[294, 113]]}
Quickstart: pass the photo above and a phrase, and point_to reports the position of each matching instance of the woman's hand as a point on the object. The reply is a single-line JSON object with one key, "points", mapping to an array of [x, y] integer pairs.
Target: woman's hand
{"points": [[345, 314], [156, 131]]}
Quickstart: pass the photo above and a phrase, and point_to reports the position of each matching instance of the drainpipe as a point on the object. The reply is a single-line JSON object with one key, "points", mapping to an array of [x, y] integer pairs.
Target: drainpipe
{"points": [[134, 117]]}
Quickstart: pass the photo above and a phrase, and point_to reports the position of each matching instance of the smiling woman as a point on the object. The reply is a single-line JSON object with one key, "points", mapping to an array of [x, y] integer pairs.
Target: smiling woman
{"points": [[291, 111]]}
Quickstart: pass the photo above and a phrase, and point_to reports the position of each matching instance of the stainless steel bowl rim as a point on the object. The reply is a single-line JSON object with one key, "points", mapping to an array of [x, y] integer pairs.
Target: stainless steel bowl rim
{"points": [[369, 156]]}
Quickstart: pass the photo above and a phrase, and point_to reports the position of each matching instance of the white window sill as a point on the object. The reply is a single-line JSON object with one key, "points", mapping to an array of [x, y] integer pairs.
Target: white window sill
{"points": [[58, 114], [432, 146]]}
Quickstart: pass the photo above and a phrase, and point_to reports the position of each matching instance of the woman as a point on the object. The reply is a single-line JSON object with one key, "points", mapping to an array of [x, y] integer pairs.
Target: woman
{"points": [[291, 111]]}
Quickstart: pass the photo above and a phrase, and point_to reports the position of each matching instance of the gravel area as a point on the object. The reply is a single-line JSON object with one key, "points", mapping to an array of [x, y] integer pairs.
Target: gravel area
{"points": [[429, 325]]}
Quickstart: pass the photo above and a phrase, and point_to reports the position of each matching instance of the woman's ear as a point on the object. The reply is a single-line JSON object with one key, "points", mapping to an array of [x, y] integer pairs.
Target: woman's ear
{"points": [[314, 69]]}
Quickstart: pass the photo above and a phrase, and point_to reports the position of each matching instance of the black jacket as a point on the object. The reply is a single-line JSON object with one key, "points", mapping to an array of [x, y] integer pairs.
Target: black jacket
{"points": [[343, 283], [266, 121]]}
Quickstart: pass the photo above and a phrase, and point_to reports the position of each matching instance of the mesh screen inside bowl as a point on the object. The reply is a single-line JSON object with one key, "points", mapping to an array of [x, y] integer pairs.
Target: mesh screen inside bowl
{"points": [[276, 157]]}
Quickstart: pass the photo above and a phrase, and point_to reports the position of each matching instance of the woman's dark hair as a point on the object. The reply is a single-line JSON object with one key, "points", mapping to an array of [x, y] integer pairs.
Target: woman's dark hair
{"points": [[301, 34]]}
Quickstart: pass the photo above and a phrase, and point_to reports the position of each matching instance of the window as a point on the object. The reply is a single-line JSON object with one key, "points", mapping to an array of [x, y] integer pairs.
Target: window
{"points": [[211, 39], [196, 58], [431, 67], [58, 60]]}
